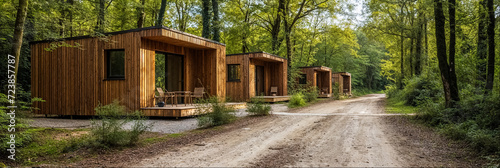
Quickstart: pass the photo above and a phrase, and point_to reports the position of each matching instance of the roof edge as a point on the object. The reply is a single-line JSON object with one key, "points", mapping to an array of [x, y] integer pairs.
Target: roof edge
{"points": [[257, 52], [127, 31], [315, 67]]}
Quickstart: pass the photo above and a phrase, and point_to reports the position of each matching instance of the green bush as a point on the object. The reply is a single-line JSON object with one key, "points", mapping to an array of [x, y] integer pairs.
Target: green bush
{"points": [[419, 88], [213, 112], [258, 107], [311, 94], [297, 100], [22, 114], [108, 131]]}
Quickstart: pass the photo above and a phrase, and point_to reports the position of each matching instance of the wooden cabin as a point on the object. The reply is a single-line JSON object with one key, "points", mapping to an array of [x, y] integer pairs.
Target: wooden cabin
{"points": [[344, 82], [124, 66], [319, 76], [254, 74]]}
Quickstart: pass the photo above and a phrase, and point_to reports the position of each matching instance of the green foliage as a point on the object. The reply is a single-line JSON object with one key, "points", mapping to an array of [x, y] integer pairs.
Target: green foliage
{"points": [[309, 92], [297, 100], [20, 118], [258, 107], [213, 112], [420, 88], [109, 130]]}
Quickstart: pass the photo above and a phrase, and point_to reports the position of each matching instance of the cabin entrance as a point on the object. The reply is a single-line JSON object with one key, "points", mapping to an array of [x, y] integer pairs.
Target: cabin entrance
{"points": [[259, 80], [169, 71]]}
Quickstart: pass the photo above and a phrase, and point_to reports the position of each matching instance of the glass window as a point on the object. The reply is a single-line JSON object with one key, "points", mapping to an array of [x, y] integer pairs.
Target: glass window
{"points": [[116, 63], [233, 72], [303, 79]]}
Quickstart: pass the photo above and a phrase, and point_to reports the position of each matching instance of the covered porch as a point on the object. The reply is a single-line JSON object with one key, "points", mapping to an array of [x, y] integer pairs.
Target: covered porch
{"points": [[179, 62], [319, 76]]}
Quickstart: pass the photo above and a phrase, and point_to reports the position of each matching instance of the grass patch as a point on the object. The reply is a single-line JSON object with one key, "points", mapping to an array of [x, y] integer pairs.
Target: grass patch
{"points": [[394, 106]]}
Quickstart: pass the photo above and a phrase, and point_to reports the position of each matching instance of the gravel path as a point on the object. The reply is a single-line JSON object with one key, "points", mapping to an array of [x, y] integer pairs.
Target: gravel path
{"points": [[161, 125], [352, 133]]}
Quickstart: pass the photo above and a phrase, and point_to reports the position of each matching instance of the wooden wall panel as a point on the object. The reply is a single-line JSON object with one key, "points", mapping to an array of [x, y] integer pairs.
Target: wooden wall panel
{"points": [[274, 75], [324, 75], [73, 80]]}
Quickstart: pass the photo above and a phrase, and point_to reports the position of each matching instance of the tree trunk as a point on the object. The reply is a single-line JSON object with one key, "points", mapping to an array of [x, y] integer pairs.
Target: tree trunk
{"points": [[142, 15], [402, 60], [441, 53], [205, 14], [411, 56], [100, 17], [482, 44], [276, 27], [161, 15], [491, 47], [215, 21], [418, 47], [288, 45], [18, 33], [453, 76], [402, 49], [71, 3]]}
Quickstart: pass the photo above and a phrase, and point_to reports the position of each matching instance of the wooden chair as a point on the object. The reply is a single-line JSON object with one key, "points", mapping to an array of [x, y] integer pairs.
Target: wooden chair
{"points": [[165, 96], [198, 93], [325, 90], [274, 90]]}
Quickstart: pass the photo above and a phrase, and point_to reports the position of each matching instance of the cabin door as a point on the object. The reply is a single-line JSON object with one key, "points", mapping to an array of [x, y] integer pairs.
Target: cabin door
{"points": [[169, 71], [259, 80], [318, 80]]}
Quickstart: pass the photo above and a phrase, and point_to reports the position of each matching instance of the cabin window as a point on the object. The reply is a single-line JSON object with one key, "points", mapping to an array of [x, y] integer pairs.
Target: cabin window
{"points": [[115, 64], [233, 72], [303, 79]]}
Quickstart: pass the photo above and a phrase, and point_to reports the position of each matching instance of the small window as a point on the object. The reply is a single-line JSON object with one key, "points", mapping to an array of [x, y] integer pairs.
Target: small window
{"points": [[233, 72], [115, 64], [303, 79]]}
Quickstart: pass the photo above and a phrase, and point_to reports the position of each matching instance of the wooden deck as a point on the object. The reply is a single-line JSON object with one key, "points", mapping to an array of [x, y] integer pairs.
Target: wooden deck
{"points": [[272, 99], [325, 95], [180, 110]]}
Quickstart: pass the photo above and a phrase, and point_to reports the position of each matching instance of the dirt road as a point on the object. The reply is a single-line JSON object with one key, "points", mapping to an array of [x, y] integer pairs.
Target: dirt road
{"points": [[354, 132]]}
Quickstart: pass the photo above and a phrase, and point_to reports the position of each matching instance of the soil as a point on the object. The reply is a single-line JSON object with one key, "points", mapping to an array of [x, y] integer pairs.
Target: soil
{"points": [[354, 132]]}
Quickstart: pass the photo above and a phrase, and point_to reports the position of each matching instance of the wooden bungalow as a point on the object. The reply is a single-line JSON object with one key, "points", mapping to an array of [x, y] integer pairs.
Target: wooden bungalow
{"points": [[126, 66], [256, 74], [344, 82], [319, 76]]}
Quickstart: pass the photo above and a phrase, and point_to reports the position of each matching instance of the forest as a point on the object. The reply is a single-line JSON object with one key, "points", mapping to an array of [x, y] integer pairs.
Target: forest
{"points": [[438, 55]]}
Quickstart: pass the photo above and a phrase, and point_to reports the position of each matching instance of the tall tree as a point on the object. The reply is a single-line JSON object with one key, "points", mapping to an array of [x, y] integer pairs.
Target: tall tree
{"points": [[18, 33], [205, 14], [215, 21], [291, 18], [402, 41], [100, 17], [482, 38], [449, 86], [451, 55], [183, 9], [491, 46], [141, 14], [272, 21], [418, 47], [161, 15]]}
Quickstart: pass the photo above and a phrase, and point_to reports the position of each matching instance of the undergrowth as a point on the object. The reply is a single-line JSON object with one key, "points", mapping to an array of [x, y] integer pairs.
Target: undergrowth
{"points": [[213, 112]]}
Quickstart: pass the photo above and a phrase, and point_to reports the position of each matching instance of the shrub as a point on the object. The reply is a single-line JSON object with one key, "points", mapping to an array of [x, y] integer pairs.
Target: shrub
{"points": [[297, 100], [214, 112], [311, 94], [258, 107], [109, 130], [22, 114]]}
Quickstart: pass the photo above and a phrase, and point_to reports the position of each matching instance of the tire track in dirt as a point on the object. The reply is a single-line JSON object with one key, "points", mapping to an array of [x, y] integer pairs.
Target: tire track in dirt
{"points": [[353, 133]]}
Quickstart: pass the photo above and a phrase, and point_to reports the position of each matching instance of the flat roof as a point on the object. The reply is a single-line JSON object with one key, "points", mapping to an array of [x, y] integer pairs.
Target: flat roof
{"points": [[317, 67], [128, 31], [258, 52]]}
